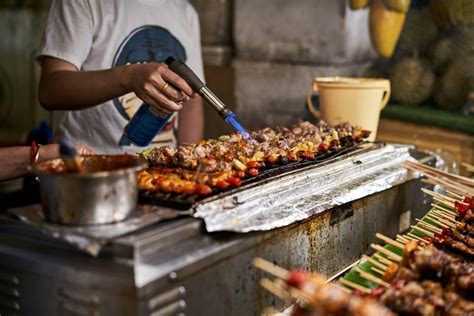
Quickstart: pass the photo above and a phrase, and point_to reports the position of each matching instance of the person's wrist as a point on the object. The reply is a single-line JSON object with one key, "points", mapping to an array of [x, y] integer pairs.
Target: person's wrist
{"points": [[126, 77], [49, 152]]}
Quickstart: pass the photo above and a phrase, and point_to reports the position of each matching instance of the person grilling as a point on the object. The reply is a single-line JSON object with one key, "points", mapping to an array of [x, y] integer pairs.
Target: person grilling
{"points": [[101, 60]]}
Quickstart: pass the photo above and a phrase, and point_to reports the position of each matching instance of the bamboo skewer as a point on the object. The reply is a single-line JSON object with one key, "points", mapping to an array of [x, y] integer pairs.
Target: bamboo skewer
{"points": [[468, 167], [342, 288], [388, 253], [433, 228], [389, 241], [457, 196], [450, 185], [402, 241], [441, 222], [335, 276], [445, 216], [383, 259], [412, 237], [403, 238], [444, 202], [429, 169], [355, 286], [271, 268], [443, 209], [275, 289], [371, 277], [415, 237], [433, 193], [421, 230], [377, 270], [375, 262]]}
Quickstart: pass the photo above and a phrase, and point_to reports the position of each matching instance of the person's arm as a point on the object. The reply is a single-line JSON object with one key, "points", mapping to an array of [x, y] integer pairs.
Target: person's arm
{"points": [[14, 161], [191, 122], [63, 87]]}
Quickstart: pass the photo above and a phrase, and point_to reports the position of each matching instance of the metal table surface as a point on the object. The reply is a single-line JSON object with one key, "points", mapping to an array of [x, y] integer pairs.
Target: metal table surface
{"points": [[176, 267]]}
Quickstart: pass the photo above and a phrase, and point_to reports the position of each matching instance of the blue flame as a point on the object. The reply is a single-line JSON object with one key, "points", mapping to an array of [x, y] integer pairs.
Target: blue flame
{"points": [[239, 128]]}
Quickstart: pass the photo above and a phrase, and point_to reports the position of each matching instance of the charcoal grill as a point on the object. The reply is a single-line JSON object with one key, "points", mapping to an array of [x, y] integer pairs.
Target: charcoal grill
{"points": [[176, 267]]}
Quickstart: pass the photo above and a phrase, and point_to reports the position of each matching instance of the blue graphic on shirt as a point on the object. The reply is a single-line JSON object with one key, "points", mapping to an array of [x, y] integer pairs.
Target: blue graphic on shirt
{"points": [[145, 44]]}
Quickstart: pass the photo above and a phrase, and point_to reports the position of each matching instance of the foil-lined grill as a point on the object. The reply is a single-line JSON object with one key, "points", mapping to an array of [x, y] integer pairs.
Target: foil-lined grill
{"points": [[305, 192]]}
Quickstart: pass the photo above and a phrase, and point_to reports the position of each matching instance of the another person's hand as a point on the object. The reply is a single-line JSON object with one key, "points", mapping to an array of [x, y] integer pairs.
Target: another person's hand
{"points": [[156, 85]]}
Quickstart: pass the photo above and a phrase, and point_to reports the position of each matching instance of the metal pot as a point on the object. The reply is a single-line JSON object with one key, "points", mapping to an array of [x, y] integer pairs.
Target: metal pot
{"points": [[105, 192]]}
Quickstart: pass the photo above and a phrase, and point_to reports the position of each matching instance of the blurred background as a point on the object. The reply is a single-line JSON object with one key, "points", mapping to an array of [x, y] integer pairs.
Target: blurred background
{"points": [[260, 58]]}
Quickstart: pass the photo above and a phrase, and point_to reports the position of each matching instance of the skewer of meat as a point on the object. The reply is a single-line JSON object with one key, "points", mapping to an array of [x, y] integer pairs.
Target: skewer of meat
{"points": [[323, 298]]}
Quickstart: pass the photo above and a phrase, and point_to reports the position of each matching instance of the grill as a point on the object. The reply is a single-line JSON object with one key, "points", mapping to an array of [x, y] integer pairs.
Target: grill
{"points": [[177, 267], [184, 202]]}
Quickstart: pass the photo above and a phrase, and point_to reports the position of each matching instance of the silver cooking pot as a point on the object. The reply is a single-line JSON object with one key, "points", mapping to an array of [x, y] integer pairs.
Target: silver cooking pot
{"points": [[105, 192]]}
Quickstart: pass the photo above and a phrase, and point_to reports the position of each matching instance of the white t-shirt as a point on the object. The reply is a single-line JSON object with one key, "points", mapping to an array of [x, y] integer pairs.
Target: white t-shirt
{"points": [[102, 34]]}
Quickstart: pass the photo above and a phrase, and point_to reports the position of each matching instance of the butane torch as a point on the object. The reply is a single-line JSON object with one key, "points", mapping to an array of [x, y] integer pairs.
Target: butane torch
{"points": [[148, 121], [197, 85]]}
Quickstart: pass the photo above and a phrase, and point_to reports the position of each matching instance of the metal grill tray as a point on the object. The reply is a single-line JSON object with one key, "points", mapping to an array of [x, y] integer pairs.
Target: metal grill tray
{"points": [[185, 202], [304, 192]]}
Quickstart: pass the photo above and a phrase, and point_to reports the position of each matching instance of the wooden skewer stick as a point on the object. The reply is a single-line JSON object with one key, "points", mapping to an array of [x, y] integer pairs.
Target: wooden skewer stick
{"points": [[406, 240], [371, 277], [355, 286], [448, 184], [441, 222], [445, 215], [382, 259], [445, 174], [467, 166], [450, 187], [342, 288], [447, 219], [444, 210], [275, 289], [389, 241], [335, 276], [377, 270], [271, 268], [388, 253], [414, 237], [299, 294], [454, 186], [433, 228], [375, 262], [441, 196], [424, 231], [429, 227], [402, 240], [444, 202], [411, 238], [457, 196]]}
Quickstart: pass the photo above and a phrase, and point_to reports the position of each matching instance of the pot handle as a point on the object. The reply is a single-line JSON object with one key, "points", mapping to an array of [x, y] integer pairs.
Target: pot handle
{"points": [[386, 97], [309, 101]]}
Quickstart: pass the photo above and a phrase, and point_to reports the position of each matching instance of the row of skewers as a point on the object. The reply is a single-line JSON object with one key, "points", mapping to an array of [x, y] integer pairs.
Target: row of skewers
{"points": [[426, 271], [217, 165]]}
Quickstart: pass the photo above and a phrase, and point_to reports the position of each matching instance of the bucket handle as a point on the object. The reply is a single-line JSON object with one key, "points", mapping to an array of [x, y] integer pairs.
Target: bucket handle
{"points": [[386, 97], [309, 100]]}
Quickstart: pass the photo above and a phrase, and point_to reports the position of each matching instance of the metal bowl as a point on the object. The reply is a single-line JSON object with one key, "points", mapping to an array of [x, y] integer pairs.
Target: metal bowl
{"points": [[105, 192]]}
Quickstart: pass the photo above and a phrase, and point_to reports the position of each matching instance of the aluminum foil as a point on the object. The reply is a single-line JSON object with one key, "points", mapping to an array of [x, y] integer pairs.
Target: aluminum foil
{"points": [[303, 193], [92, 238]]}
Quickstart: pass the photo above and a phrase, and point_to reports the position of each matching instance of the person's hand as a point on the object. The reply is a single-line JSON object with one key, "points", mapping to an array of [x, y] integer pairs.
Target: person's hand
{"points": [[84, 151], [158, 86]]}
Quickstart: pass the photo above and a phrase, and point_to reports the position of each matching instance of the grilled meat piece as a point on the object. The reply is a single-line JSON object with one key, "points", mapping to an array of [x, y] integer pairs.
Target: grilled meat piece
{"points": [[457, 246], [328, 299], [409, 300], [466, 229]]}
